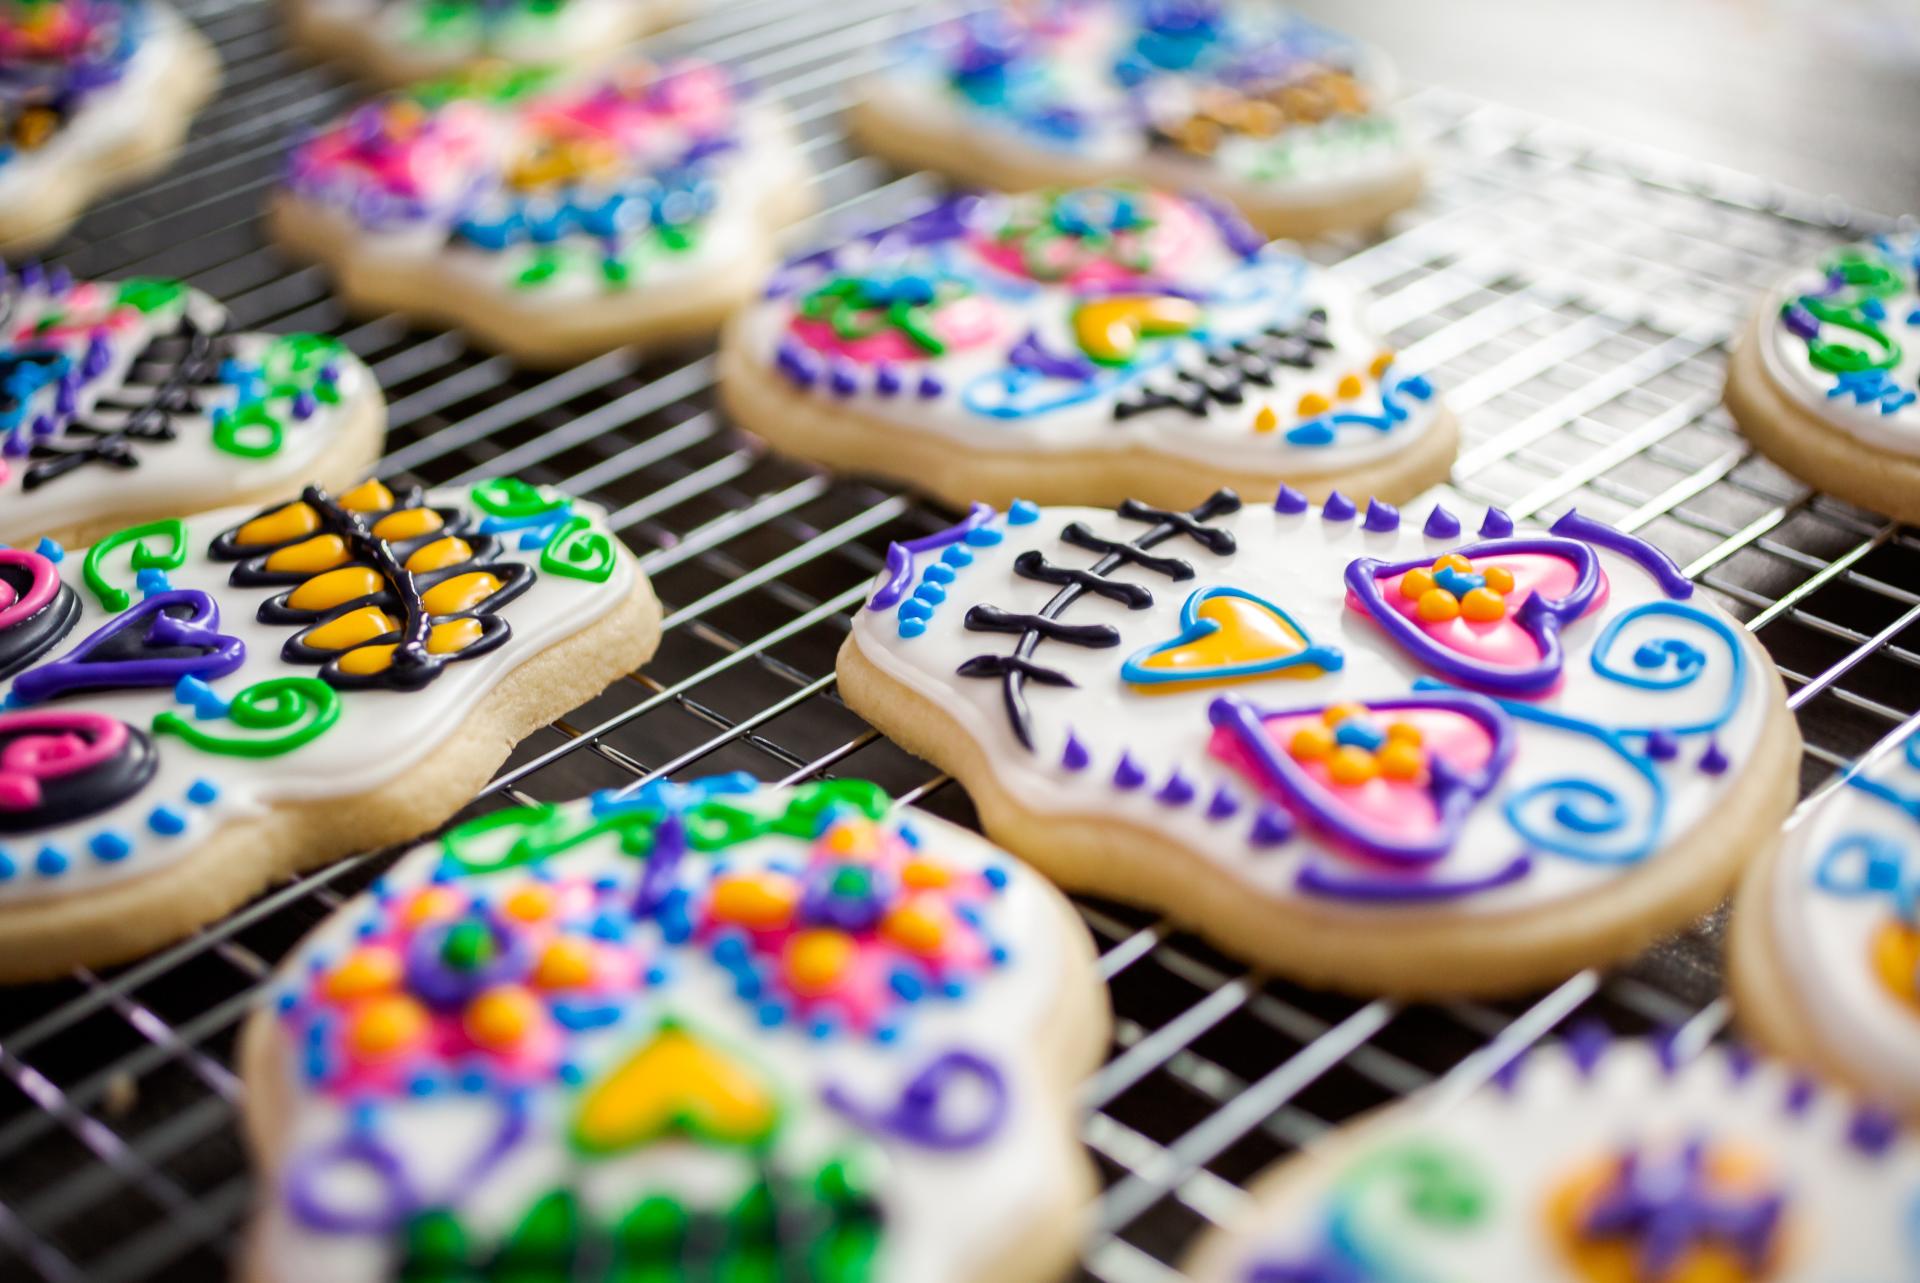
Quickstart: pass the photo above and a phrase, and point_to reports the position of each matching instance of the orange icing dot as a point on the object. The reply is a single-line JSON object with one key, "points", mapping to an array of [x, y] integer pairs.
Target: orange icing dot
{"points": [[408, 523], [1483, 605], [1311, 743], [1266, 420], [1416, 583], [916, 926], [386, 1026], [502, 1017], [1896, 956], [1499, 578], [1404, 733], [1380, 363], [1351, 765], [368, 970], [434, 904], [762, 901], [1311, 404], [566, 963], [441, 553], [1437, 606], [852, 839], [1453, 561], [1351, 386], [462, 592], [1399, 760], [925, 875], [335, 588], [352, 629], [816, 959], [290, 522], [368, 496], [1338, 713], [309, 556], [453, 636], [530, 903]]}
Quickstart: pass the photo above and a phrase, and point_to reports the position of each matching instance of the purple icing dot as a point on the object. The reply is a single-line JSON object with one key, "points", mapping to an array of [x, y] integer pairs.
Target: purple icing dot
{"points": [[1222, 805], [1800, 1094], [1497, 524], [1128, 775], [1441, 524], [1337, 508], [1289, 501], [1713, 761], [930, 387], [1508, 1074], [1873, 1130], [886, 381], [1075, 757], [1176, 791], [842, 380], [1740, 1060], [1586, 1042], [1271, 827], [304, 405], [1666, 1047], [1381, 517], [1662, 746]]}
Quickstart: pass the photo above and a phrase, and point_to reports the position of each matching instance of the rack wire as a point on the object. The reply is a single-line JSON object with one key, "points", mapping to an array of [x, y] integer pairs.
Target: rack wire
{"points": [[1573, 299]]}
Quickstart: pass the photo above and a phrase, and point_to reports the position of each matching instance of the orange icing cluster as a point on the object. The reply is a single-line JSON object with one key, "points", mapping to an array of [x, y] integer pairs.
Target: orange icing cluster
{"points": [[1452, 589], [1357, 748]]}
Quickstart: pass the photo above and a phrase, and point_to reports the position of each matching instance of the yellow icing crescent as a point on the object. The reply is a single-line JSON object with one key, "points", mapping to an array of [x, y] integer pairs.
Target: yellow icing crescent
{"points": [[1110, 329], [676, 1083]]}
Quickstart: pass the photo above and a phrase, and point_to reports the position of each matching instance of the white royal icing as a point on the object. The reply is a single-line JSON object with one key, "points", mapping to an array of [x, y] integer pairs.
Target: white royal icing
{"points": [[1839, 904], [520, 32], [1342, 405], [1082, 62], [1872, 395], [379, 735], [190, 470], [402, 198], [1595, 804], [946, 1213], [1508, 1184]]}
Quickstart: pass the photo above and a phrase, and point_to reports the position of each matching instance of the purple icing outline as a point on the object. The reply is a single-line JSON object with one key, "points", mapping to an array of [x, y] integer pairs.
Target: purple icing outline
{"points": [[1313, 879], [915, 1116], [1635, 549], [1542, 619], [900, 556], [75, 672], [1454, 793]]}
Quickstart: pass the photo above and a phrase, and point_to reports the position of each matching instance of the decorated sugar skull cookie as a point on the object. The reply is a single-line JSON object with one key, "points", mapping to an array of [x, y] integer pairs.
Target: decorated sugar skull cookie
{"points": [[553, 217], [1826, 379], [401, 41], [94, 95], [1081, 346], [1592, 1164], [127, 401], [194, 706], [1825, 943], [698, 1031], [1289, 121], [1374, 753]]}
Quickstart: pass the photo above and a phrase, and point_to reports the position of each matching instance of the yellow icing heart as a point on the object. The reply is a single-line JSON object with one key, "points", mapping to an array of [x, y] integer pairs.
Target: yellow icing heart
{"points": [[676, 1083], [1110, 329], [1248, 632]]}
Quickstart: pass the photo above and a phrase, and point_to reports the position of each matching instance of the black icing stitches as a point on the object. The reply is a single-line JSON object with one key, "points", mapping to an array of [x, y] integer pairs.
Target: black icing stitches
{"points": [[1221, 376], [35, 800], [1013, 671], [175, 366], [1034, 565]]}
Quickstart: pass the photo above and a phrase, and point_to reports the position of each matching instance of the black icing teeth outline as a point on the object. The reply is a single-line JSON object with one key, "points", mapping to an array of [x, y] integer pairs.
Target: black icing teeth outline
{"points": [[1015, 670]]}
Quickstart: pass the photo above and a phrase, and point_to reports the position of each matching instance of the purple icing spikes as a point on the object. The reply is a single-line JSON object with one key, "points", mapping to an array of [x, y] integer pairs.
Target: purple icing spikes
{"points": [[1441, 524]]}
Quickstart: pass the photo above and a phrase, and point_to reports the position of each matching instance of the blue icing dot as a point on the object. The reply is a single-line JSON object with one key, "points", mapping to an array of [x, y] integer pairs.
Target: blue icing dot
{"points": [[203, 791], [1022, 513], [151, 581], [995, 875], [109, 846], [49, 862], [915, 608], [51, 550], [957, 556], [1313, 432], [931, 592], [7, 869], [984, 536], [912, 627], [940, 574], [770, 1014], [166, 820]]}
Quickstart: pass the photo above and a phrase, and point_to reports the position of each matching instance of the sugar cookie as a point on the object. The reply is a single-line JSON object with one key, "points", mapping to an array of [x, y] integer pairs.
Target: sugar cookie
{"points": [[1081, 346], [398, 42], [553, 219], [129, 401], [1824, 949], [1291, 122], [1825, 379], [700, 1031], [1371, 754], [197, 706], [1592, 1164], [95, 95]]}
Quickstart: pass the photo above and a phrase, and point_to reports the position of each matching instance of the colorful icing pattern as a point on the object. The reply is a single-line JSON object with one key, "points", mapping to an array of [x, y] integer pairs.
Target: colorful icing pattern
{"points": [[1092, 319], [1231, 96], [636, 1038], [547, 188], [1596, 1164], [1839, 916], [1330, 705], [118, 397], [423, 38], [55, 57], [1843, 338], [190, 672]]}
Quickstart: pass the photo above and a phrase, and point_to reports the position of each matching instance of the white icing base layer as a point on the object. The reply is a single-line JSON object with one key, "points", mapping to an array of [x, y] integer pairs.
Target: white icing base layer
{"points": [[581, 30], [1847, 1214]]}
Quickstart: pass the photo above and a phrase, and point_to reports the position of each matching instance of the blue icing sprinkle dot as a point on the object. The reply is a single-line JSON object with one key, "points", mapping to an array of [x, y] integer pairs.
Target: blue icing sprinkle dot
{"points": [[152, 581], [203, 791], [109, 846], [931, 592], [912, 627], [886, 1033], [770, 1014], [995, 875], [165, 820], [915, 608], [940, 574], [7, 869], [1913, 317], [51, 550], [1875, 309], [984, 536], [957, 556], [1314, 432], [1023, 512], [49, 862]]}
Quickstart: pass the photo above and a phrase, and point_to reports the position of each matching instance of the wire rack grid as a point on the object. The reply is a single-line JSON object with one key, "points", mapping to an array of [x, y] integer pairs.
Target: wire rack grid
{"points": [[1572, 298]]}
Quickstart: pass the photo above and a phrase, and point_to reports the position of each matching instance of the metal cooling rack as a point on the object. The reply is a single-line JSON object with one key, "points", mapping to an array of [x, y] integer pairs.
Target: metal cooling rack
{"points": [[1573, 299]]}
